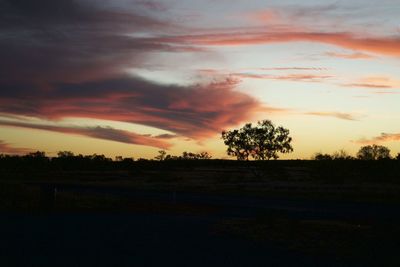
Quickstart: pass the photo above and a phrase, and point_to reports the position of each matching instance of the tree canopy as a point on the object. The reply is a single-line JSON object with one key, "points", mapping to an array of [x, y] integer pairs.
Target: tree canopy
{"points": [[373, 152], [261, 142]]}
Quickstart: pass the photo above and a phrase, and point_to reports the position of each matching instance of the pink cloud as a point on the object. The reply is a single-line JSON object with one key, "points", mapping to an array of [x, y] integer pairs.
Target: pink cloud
{"points": [[265, 16], [198, 111]]}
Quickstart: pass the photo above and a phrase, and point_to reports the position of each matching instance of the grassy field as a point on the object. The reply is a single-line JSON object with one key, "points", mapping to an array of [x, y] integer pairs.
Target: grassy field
{"points": [[376, 181], [342, 211]]}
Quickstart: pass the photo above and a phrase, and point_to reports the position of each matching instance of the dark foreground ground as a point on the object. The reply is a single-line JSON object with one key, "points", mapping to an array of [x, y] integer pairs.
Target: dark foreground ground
{"points": [[199, 216]]}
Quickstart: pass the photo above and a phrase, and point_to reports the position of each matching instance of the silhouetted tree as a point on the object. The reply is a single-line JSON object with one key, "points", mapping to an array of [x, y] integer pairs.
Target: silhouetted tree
{"points": [[161, 155], [238, 142], [398, 156], [373, 152], [263, 141]]}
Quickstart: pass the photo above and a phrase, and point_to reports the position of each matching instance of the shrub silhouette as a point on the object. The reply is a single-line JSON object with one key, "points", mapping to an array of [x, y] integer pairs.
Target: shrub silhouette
{"points": [[320, 156]]}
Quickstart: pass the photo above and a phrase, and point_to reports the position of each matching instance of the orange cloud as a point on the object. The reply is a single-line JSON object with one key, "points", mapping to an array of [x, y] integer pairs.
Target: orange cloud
{"points": [[355, 55], [105, 133], [6, 148], [375, 82], [389, 46], [368, 85], [303, 77], [289, 77], [384, 137]]}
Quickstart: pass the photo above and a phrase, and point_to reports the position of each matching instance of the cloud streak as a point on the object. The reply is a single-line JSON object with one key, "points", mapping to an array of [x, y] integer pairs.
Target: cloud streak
{"points": [[384, 137], [389, 46], [355, 55], [375, 82], [6, 148], [105, 133], [289, 77], [368, 85], [197, 111], [338, 115]]}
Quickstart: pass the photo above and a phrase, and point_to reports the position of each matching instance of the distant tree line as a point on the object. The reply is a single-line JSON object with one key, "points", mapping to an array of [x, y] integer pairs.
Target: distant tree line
{"points": [[67, 160], [262, 141], [368, 152], [162, 155]]}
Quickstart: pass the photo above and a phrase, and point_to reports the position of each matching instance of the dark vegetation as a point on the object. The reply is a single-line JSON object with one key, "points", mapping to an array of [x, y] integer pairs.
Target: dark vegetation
{"points": [[335, 207], [324, 167], [311, 216], [369, 152]]}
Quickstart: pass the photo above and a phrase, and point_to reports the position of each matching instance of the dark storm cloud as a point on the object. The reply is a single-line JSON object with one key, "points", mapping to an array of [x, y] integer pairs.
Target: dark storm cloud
{"points": [[65, 40], [67, 58]]}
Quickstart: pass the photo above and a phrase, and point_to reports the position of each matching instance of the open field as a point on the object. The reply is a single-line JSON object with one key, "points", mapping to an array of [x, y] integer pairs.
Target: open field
{"points": [[294, 213]]}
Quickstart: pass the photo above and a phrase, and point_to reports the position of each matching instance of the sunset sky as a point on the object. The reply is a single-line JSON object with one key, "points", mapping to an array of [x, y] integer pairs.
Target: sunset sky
{"points": [[131, 77]]}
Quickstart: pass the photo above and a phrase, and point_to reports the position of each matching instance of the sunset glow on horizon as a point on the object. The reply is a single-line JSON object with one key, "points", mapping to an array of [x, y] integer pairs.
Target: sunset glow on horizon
{"points": [[131, 77]]}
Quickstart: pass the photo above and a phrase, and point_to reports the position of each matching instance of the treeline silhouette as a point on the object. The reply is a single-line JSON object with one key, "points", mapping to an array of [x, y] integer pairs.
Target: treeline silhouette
{"points": [[67, 160], [339, 167], [369, 152]]}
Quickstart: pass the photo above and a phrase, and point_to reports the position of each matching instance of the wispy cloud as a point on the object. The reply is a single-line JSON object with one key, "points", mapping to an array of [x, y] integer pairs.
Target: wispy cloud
{"points": [[368, 85], [384, 137], [153, 5], [389, 46], [264, 16], [339, 115], [105, 133], [289, 77], [296, 69], [257, 74], [6, 148], [375, 82], [355, 55]]}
